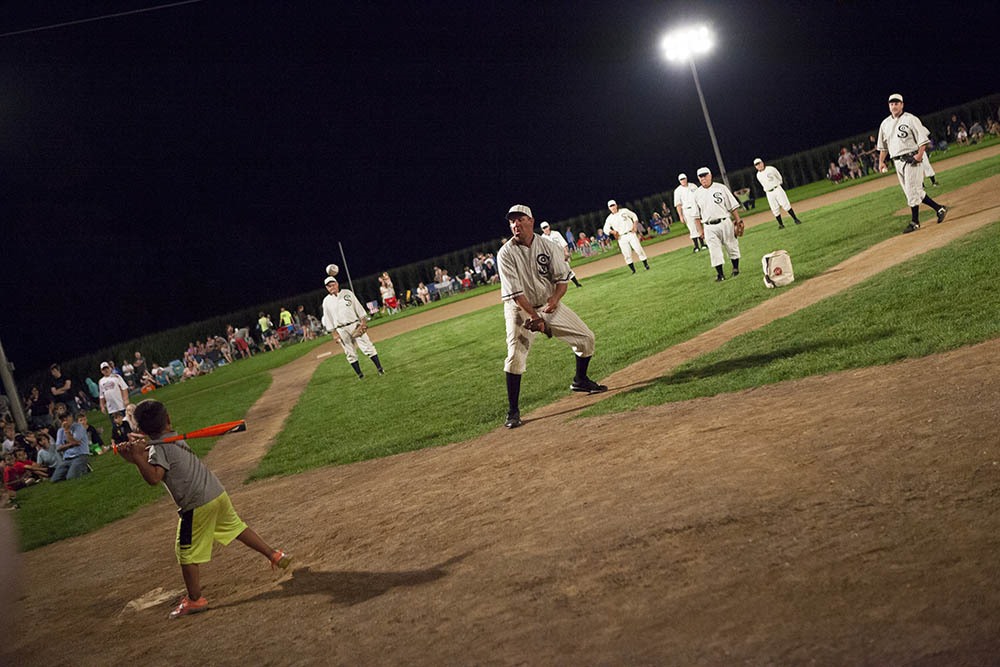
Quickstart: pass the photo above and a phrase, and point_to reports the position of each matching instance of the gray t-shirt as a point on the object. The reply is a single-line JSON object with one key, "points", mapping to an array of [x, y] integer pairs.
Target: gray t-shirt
{"points": [[187, 479]]}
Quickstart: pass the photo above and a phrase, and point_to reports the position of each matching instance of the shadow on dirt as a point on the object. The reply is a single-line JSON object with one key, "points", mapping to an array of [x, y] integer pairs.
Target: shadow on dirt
{"points": [[350, 588]]}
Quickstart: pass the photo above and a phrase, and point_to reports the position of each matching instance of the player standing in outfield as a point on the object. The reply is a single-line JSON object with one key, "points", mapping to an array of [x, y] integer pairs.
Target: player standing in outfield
{"points": [[770, 179], [904, 138], [555, 237], [532, 283], [684, 203], [206, 513], [623, 225], [345, 318], [715, 205]]}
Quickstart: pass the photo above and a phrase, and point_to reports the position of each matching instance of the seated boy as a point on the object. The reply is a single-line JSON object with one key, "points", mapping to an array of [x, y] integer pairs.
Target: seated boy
{"points": [[206, 513]]}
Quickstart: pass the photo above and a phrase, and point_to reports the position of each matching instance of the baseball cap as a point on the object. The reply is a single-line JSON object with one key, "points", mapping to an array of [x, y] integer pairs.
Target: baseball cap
{"points": [[104, 365], [545, 225], [612, 202], [895, 97], [329, 279], [519, 208], [704, 170], [757, 160], [682, 177]]}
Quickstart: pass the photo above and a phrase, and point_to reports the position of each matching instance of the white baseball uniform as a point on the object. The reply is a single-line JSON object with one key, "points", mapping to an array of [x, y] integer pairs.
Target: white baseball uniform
{"points": [[684, 199], [534, 271], [714, 205], [770, 179], [928, 169], [900, 137], [555, 237], [343, 313], [624, 222]]}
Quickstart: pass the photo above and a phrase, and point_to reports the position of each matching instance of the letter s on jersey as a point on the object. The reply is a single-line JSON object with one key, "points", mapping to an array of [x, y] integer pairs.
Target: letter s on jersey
{"points": [[903, 131], [717, 196]]}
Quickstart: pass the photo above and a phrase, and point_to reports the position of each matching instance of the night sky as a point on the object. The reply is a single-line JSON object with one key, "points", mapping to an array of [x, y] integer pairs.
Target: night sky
{"points": [[163, 167]]}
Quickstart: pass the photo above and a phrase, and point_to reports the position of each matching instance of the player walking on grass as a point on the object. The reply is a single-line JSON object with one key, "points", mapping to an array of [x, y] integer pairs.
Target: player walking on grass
{"points": [[684, 203], [206, 513], [623, 225], [770, 179], [715, 205], [905, 139], [345, 318], [533, 279]]}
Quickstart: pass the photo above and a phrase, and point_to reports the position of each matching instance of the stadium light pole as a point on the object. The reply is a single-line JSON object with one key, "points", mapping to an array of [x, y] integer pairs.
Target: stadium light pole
{"points": [[683, 44]]}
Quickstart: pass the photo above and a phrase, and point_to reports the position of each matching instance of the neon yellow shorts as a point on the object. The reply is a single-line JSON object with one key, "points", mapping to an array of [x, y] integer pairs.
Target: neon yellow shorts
{"points": [[215, 521]]}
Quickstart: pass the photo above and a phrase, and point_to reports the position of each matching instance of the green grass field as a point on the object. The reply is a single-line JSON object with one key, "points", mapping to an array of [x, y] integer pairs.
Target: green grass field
{"points": [[445, 381]]}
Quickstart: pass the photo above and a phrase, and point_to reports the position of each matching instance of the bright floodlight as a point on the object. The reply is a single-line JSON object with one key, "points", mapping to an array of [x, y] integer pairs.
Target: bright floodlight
{"points": [[683, 43]]}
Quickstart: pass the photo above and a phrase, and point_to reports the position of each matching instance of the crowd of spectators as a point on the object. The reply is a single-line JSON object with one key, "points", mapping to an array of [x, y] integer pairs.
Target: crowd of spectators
{"points": [[59, 440]]}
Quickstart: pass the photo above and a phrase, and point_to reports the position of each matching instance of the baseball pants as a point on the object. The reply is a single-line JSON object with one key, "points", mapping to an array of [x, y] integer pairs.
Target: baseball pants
{"points": [[719, 235], [928, 169], [777, 199], [911, 179], [628, 244], [351, 344], [564, 324], [689, 215]]}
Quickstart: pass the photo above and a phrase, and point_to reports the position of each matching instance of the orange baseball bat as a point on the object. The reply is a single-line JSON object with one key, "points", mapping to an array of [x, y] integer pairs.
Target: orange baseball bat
{"points": [[207, 432]]}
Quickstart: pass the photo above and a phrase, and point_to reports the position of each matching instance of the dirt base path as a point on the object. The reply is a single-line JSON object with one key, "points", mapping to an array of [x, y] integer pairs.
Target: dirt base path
{"points": [[857, 523]]}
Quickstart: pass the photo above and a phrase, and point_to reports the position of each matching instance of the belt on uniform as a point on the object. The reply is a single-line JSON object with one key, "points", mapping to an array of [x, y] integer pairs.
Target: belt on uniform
{"points": [[774, 188], [904, 156], [714, 222], [341, 326]]}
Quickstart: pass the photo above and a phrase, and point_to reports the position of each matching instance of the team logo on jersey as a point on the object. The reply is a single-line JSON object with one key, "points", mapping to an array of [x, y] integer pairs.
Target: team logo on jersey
{"points": [[543, 264], [347, 299], [717, 196], [903, 131]]}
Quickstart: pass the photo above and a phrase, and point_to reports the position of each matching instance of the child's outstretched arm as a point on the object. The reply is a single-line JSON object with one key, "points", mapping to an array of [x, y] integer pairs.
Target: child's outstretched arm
{"points": [[134, 451]]}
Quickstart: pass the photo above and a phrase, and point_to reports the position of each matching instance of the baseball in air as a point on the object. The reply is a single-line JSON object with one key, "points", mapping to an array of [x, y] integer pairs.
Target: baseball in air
{"points": [[332, 269]]}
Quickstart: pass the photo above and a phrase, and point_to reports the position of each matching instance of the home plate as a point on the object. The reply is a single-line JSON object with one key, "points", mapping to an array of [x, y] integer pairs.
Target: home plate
{"points": [[152, 598], [325, 354]]}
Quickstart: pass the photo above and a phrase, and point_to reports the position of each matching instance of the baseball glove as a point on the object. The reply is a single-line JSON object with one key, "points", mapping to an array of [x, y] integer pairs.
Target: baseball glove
{"points": [[738, 228], [908, 158], [539, 326]]}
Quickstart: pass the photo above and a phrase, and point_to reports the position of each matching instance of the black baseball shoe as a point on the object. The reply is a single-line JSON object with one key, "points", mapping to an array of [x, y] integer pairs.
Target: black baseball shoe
{"points": [[513, 419], [941, 212], [797, 221], [381, 371], [780, 226], [912, 227], [588, 386], [719, 279], [736, 272], [361, 376]]}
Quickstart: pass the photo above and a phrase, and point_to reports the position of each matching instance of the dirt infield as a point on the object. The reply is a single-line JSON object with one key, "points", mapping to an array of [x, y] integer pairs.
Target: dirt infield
{"points": [[843, 519]]}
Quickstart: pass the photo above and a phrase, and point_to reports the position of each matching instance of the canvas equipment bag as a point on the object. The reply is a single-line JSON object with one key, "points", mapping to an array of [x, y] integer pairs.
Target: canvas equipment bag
{"points": [[777, 269]]}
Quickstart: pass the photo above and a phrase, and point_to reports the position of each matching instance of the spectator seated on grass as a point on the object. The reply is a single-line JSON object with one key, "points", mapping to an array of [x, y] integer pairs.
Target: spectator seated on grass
{"points": [[833, 173], [9, 433], [192, 370], [962, 135], [74, 444], [96, 441], [583, 245], [48, 456], [423, 293], [39, 409], [603, 240], [161, 375], [119, 429], [976, 132], [20, 471]]}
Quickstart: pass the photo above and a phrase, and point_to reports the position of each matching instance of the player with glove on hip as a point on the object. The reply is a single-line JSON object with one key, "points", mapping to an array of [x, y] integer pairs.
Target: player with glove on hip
{"points": [[533, 279]]}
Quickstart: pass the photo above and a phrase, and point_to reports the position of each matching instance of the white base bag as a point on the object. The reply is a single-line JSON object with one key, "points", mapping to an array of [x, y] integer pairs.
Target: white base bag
{"points": [[777, 269]]}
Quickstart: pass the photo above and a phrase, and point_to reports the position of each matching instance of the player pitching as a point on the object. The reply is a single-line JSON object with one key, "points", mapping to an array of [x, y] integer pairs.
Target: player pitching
{"points": [[533, 278], [345, 318], [770, 179], [903, 137], [684, 203], [623, 225], [716, 206]]}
